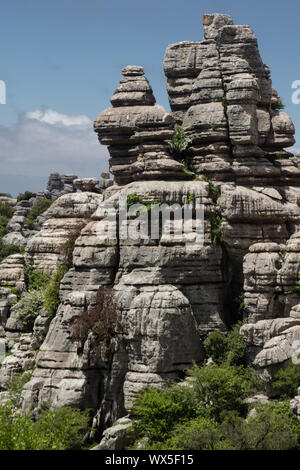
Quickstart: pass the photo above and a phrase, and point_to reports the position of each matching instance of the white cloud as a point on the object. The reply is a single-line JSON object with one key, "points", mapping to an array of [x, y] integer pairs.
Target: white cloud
{"points": [[44, 141], [52, 117]]}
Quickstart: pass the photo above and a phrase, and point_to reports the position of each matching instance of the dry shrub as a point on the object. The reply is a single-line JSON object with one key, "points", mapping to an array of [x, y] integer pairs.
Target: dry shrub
{"points": [[103, 319]]}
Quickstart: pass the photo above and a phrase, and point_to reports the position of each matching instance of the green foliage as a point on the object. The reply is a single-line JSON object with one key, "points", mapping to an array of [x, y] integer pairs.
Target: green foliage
{"points": [[7, 250], [25, 196], [6, 210], [278, 104], [29, 306], [179, 142], [201, 433], [190, 198], [38, 209], [287, 380], [227, 349], [274, 427], [186, 167], [222, 388], [216, 230], [158, 411], [35, 278], [52, 299], [134, 198], [14, 290], [61, 429], [16, 385]]}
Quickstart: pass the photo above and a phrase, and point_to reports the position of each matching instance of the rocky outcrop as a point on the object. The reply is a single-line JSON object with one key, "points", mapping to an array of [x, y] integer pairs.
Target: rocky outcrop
{"points": [[167, 289], [58, 185], [135, 131], [64, 220]]}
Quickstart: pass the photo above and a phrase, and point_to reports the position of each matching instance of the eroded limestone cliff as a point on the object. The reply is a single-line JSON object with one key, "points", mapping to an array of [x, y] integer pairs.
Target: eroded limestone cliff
{"points": [[169, 297]]}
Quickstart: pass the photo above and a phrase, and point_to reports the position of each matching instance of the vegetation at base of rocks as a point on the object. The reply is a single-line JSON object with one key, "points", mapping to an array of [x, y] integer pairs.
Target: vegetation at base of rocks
{"points": [[216, 230], [7, 250], [14, 290], [29, 306], [179, 141], [287, 380], [39, 208], [60, 429], [103, 319], [229, 348], [209, 412], [6, 210], [35, 278], [278, 104], [52, 299], [25, 196], [16, 385]]}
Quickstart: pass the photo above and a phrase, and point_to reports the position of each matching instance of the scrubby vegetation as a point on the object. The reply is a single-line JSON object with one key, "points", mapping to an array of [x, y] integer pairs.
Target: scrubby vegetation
{"points": [[61, 429], [25, 196], [7, 250], [29, 306], [38, 209], [278, 104], [52, 299], [209, 412], [179, 142]]}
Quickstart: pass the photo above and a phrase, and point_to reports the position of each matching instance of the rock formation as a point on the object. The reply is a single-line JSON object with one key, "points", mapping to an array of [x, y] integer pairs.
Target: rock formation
{"points": [[169, 297]]}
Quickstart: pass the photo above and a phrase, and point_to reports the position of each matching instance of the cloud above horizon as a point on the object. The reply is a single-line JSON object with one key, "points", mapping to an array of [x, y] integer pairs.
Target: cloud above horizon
{"points": [[44, 141]]}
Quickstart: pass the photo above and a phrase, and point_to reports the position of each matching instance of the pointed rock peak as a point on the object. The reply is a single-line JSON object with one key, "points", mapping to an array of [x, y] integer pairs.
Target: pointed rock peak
{"points": [[212, 24], [134, 89]]}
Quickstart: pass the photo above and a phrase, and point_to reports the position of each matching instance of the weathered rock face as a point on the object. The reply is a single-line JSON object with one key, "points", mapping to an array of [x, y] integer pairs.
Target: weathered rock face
{"points": [[221, 92], [64, 219], [58, 185], [136, 130]]}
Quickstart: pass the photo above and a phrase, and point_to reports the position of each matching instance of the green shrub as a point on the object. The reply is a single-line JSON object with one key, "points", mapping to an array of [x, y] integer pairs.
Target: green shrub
{"points": [[25, 196], [16, 385], [179, 142], [215, 345], [40, 207], [221, 388], [6, 210], [287, 380], [274, 427], [216, 230], [35, 278], [29, 306], [134, 198], [278, 104], [61, 429], [8, 250], [201, 433], [52, 299], [158, 411]]}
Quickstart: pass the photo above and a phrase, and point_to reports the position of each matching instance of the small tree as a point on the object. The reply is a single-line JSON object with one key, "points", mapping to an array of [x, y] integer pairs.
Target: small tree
{"points": [[103, 319]]}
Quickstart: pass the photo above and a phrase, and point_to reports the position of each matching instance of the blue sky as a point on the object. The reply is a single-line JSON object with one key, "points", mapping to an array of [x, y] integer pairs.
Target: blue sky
{"points": [[66, 56]]}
